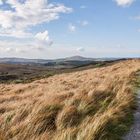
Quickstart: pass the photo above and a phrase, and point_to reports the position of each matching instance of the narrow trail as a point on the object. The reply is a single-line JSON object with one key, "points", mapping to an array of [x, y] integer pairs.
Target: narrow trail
{"points": [[134, 133]]}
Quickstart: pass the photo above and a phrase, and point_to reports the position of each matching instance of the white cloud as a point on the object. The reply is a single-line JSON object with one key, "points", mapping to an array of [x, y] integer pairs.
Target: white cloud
{"points": [[1, 2], [84, 23], [15, 33], [124, 3], [83, 7], [20, 50], [5, 50], [27, 14], [39, 48], [14, 46], [136, 17], [8, 49], [44, 37], [80, 49], [72, 28]]}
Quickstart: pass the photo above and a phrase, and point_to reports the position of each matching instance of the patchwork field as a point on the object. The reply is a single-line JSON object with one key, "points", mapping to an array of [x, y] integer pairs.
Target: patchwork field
{"points": [[94, 104]]}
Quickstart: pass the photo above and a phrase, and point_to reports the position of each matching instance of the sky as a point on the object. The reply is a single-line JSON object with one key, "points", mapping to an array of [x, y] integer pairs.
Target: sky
{"points": [[49, 29]]}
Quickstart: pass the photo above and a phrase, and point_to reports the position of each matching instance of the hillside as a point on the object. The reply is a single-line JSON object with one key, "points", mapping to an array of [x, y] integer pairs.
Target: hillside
{"points": [[94, 104], [25, 73]]}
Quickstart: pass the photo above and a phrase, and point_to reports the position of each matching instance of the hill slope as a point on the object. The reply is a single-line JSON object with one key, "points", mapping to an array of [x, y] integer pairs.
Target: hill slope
{"points": [[90, 104]]}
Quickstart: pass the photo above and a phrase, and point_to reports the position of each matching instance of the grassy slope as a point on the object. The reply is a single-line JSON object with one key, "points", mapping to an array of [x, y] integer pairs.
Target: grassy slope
{"points": [[95, 104]]}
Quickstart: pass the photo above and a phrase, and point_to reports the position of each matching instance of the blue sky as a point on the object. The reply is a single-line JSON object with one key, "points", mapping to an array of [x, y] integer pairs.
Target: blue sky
{"points": [[61, 28]]}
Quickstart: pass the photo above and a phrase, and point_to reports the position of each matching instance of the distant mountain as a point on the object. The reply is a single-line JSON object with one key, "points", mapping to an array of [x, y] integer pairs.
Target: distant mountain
{"points": [[41, 61], [23, 61], [74, 60], [80, 58]]}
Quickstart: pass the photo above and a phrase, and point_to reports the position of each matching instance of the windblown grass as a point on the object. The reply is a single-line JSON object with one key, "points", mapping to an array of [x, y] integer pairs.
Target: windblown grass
{"points": [[95, 104]]}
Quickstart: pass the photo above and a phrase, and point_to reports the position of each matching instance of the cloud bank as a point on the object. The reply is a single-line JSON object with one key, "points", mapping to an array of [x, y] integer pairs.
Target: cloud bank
{"points": [[124, 3], [17, 20]]}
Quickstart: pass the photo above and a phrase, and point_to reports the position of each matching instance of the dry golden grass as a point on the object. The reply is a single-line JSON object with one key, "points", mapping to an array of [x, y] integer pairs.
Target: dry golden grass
{"points": [[94, 104]]}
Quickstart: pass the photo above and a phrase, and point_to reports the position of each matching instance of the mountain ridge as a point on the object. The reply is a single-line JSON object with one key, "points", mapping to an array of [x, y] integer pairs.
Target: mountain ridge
{"points": [[43, 61]]}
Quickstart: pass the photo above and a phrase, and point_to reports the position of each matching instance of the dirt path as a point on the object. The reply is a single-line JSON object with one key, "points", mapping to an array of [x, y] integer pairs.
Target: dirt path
{"points": [[134, 133]]}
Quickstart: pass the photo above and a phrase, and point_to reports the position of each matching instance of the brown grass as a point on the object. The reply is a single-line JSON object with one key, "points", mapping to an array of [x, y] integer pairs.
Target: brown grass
{"points": [[95, 104]]}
